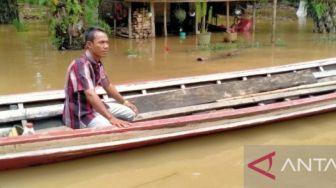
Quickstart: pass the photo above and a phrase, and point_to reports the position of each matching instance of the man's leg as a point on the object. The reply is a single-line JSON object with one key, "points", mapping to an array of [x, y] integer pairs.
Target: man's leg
{"points": [[118, 111], [121, 111], [99, 121]]}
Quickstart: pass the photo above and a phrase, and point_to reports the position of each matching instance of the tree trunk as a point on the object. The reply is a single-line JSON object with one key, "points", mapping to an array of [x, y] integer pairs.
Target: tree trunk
{"points": [[68, 34], [327, 22], [9, 11], [333, 17]]}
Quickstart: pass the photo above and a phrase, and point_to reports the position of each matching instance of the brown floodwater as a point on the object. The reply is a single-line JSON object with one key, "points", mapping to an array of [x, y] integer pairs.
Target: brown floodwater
{"points": [[29, 63]]}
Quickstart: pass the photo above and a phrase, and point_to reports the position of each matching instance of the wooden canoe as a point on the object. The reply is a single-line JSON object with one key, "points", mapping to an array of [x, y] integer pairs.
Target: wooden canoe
{"points": [[169, 110]]}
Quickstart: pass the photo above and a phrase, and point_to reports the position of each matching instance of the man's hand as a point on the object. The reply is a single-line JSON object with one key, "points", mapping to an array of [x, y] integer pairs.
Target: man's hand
{"points": [[119, 123], [131, 106]]}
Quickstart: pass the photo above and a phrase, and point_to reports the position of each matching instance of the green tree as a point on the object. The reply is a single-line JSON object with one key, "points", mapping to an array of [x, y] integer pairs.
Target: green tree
{"points": [[323, 13], [9, 11], [68, 20]]}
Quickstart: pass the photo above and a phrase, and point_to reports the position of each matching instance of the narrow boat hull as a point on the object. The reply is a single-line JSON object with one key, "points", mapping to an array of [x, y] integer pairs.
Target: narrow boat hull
{"points": [[164, 130], [170, 110]]}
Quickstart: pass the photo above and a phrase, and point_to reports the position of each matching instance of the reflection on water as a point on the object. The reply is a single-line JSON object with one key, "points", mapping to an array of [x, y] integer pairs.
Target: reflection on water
{"points": [[29, 63]]}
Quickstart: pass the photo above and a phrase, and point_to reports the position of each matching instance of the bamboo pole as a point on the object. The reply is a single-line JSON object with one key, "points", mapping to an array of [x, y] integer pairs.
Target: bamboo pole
{"points": [[254, 16], [165, 19], [274, 21], [254, 20], [152, 18], [196, 23], [153, 46], [130, 20], [227, 15], [142, 22], [115, 27]]}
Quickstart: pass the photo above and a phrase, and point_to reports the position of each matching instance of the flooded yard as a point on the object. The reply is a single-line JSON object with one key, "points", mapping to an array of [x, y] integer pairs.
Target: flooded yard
{"points": [[29, 63]]}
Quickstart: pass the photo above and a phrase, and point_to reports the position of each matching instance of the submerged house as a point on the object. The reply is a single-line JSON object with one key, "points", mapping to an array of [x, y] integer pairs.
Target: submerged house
{"points": [[149, 18]]}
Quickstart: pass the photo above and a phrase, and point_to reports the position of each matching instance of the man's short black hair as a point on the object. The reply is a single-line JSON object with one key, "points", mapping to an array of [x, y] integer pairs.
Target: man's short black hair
{"points": [[89, 33]]}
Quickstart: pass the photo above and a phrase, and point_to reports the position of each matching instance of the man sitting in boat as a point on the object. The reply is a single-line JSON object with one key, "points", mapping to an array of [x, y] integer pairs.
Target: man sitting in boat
{"points": [[82, 107]]}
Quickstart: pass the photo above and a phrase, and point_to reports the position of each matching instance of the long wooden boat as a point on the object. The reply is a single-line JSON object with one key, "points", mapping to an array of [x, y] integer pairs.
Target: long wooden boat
{"points": [[169, 110]]}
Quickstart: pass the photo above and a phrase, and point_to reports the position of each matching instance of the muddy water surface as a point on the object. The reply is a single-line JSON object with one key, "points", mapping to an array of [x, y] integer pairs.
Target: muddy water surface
{"points": [[28, 63]]}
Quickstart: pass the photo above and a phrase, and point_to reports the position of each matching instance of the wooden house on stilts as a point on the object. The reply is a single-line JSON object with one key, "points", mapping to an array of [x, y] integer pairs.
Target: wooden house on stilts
{"points": [[149, 18]]}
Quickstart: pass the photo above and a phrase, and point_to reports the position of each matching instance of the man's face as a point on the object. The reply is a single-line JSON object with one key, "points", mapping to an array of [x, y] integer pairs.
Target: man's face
{"points": [[99, 47]]}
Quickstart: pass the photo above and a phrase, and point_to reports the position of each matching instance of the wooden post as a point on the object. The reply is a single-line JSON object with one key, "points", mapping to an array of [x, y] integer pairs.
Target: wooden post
{"points": [[130, 20], [227, 15], [254, 20], [165, 19], [142, 22], [115, 27], [165, 46], [274, 21], [196, 23], [153, 45], [152, 18], [254, 16]]}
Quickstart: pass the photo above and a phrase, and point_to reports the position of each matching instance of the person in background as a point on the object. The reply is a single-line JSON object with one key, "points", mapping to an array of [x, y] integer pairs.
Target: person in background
{"points": [[82, 107]]}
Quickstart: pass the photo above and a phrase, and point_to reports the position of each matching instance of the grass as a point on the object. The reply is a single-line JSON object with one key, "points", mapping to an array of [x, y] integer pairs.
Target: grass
{"points": [[20, 26]]}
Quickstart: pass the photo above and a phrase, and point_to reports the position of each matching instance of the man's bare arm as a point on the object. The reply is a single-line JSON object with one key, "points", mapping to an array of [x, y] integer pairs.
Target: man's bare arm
{"points": [[114, 93]]}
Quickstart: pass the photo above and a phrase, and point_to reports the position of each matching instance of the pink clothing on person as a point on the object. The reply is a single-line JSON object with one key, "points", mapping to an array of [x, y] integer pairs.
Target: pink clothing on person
{"points": [[83, 73]]}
